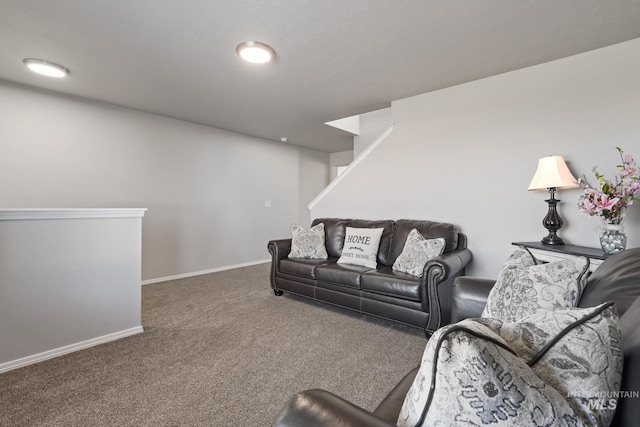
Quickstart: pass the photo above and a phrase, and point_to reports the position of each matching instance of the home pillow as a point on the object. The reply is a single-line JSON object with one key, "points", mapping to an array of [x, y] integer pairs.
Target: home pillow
{"points": [[308, 243], [361, 246], [523, 291], [416, 252], [558, 368]]}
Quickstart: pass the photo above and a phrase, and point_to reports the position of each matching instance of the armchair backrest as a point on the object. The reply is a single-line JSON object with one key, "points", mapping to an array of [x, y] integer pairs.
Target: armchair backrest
{"points": [[618, 280]]}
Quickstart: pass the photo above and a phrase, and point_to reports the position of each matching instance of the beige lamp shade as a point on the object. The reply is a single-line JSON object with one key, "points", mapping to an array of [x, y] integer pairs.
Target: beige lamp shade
{"points": [[552, 172]]}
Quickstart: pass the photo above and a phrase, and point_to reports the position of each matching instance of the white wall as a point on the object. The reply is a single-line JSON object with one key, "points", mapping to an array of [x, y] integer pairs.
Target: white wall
{"points": [[205, 188], [372, 124], [339, 158], [466, 154], [69, 279]]}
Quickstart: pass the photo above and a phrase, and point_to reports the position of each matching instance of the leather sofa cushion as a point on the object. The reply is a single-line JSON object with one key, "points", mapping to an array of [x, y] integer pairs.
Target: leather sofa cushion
{"points": [[302, 267], [385, 240], [391, 303], [387, 281], [334, 232], [341, 274], [428, 229], [617, 280], [335, 289]]}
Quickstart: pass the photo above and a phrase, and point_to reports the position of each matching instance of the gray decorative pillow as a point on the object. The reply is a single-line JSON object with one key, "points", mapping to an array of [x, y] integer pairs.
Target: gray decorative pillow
{"points": [[520, 258], [523, 291], [308, 243], [416, 252], [361, 246], [551, 369]]}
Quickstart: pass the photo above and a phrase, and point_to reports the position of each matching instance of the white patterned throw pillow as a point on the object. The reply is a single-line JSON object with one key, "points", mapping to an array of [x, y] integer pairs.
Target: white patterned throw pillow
{"points": [[522, 290], [549, 369], [520, 258], [416, 252], [361, 246], [308, 243]]}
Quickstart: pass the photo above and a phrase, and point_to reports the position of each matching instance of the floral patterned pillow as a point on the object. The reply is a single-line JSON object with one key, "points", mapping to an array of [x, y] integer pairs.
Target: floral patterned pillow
{"points": [[308, 243], [549, 369], [523, 290], [520, 258], [416, 252]]}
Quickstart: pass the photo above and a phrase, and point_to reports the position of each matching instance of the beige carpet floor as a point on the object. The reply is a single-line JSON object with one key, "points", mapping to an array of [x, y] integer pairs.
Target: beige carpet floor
{"points": [[218, 350]]}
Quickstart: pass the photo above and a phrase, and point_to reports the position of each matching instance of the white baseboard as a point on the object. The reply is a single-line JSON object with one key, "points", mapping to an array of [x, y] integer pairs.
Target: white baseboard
{"points": [[50, 354], [201, 272]]}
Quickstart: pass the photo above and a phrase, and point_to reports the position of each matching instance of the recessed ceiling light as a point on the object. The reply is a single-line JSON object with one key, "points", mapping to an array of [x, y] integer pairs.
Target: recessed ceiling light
{"points": [[255, 52], [45, 68]]}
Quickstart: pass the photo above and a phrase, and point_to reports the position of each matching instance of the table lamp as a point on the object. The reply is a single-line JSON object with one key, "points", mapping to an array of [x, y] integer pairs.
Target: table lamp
{"points": [[552, 174]]}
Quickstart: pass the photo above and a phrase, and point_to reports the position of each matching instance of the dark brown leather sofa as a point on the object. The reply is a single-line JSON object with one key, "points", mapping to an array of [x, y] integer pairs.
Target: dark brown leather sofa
{"points": [[617, 280], [423, 303]]}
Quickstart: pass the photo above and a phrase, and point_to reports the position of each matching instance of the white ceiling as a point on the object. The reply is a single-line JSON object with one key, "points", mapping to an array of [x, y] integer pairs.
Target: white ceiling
{"points": [[336, 58]]}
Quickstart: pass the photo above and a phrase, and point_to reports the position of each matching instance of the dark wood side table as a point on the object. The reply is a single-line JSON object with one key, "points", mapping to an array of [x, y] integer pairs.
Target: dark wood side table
{"points": [[551, 253]]}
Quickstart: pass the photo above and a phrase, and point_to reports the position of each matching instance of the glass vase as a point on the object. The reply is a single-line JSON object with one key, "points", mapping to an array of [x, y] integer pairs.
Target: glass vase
{"points": [[613, 239]]}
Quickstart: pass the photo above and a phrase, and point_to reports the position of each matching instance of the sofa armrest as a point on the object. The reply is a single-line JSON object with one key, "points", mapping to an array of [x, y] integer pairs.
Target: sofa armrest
{"points": [[469, 297], [279, 249], [438, 276], [450, 263], [320, 408]]}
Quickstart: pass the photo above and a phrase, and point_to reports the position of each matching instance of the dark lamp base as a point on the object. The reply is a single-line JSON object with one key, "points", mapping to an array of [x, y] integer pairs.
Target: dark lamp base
{"points": [[552, 222], [552, 240]]}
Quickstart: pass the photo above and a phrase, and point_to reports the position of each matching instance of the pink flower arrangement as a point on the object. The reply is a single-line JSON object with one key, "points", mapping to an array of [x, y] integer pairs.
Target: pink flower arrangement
{"points": [[610, 199]]}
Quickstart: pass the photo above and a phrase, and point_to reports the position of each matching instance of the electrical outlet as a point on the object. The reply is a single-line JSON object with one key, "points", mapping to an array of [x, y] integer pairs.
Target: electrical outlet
{"points": [[267, 203]]}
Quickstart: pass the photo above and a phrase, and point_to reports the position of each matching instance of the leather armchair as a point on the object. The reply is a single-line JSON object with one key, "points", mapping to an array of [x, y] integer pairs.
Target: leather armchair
{"points": [[320, 408], [469, 297], [617, 280]]}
